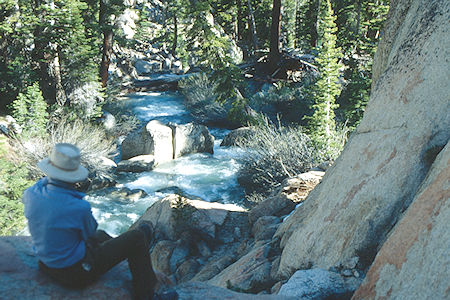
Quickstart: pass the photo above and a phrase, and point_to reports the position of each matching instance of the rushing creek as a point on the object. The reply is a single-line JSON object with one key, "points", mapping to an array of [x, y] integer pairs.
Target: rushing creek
{"points": [[209, 177]]}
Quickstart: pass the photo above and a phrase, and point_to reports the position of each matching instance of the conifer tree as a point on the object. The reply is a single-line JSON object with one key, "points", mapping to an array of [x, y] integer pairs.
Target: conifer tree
{"points": [[322, 123]]}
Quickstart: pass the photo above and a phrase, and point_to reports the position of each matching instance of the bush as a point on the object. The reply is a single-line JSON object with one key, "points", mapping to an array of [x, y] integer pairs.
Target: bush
{"points": [[91, 139], [275, 153], [329, 148], [200, 98], [13, 181]]}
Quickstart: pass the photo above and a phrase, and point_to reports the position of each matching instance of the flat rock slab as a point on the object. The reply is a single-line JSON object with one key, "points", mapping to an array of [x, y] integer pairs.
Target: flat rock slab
{"points": [[21, 279]]}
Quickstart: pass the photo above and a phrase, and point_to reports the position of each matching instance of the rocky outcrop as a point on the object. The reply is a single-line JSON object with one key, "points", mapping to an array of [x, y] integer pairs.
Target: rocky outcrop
{"points": [[379, 172], [415, 259], [9, 126], [196, 240], [175, 215], [167, 142], [199, 290], [251, 273]]}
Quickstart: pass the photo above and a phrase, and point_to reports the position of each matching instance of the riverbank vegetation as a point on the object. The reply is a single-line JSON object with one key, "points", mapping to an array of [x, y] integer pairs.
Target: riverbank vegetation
{"points": [[304, 65]]}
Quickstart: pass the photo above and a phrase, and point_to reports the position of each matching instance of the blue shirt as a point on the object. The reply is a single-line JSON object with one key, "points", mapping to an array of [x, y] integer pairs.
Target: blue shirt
{"points": [[59, 220]]}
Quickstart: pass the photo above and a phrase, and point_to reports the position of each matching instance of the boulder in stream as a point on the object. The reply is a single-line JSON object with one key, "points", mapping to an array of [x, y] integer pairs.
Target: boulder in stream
{"points": [[191, 138], [155, 139], [236, 136], [137, 164], [166, 142]]}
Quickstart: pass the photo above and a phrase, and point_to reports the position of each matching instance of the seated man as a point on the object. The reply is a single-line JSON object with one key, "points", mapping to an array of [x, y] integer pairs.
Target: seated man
{"points": [[65, 236]]}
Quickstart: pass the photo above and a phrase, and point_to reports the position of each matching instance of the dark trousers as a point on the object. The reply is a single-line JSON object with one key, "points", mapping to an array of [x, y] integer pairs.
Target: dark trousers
{"points": [[103, 253]]}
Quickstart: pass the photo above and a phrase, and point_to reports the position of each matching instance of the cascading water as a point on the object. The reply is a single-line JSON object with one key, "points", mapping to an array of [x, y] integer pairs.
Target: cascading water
{"points": [[206, 176]]}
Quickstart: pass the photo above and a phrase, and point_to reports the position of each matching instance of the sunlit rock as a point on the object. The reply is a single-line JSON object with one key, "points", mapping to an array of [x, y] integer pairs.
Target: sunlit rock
{"points": [[191, 138], [292, 191], [415, 259]]}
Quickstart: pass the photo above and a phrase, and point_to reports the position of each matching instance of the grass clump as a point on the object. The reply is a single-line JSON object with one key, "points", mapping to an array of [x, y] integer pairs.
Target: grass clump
{"points": [[275, 153]]}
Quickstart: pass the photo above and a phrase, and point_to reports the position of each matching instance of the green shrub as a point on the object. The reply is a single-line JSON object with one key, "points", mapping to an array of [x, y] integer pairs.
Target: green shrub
{"points": [[13, 181], [276, 152], [288, 101]]}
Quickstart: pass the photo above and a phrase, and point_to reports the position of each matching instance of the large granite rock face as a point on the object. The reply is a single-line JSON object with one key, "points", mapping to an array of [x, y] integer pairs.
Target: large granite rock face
{"points": [[415, 260], [381, 168]]}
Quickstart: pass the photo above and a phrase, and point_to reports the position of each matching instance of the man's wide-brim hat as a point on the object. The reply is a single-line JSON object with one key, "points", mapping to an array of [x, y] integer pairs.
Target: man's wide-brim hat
{"points": [[64, 164]]}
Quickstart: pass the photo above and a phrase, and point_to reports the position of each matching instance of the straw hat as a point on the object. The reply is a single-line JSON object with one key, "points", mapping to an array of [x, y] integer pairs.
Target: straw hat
{"points": [[64, 164]]}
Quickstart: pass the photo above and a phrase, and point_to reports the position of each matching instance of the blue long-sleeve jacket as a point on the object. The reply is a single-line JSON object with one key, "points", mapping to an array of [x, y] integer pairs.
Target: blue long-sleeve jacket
{"points": [[59, 220]]}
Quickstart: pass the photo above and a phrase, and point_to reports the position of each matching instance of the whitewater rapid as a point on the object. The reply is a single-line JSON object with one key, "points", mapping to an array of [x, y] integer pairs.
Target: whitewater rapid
{"points": [[211, 177]]}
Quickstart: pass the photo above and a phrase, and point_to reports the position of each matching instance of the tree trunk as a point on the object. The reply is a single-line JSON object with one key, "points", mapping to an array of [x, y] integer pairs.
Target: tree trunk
{"points": [[106, 56], [252, 25], [43, 58], [358, 18], [312, 22], [46, 81], [60, 93], [240, 21], [175, 33], [275, 28], [107, 43]]}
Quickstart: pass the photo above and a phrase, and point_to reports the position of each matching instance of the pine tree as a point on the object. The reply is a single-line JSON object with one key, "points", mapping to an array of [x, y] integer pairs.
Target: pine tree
{"points": [[322, 123], [30, 111]]}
